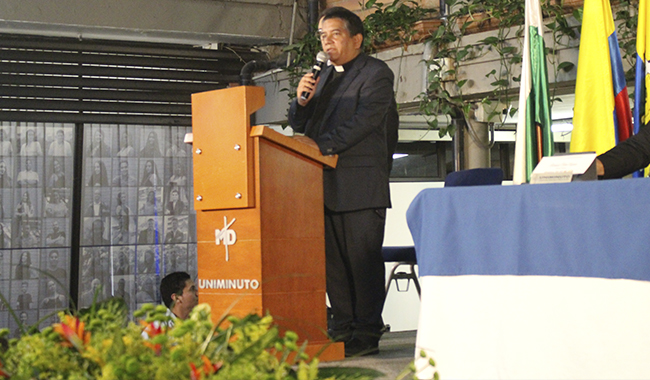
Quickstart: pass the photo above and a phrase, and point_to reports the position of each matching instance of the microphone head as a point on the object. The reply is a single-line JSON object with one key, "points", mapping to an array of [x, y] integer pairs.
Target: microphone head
{"points": [[322, 56]]}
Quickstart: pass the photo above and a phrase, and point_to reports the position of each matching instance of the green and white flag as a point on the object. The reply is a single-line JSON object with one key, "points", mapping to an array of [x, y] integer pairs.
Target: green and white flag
{"points": [[534, 138]]}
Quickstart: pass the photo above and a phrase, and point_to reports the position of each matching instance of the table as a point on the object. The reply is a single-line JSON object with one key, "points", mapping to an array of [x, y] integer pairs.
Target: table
{"points": [[534, 281]]}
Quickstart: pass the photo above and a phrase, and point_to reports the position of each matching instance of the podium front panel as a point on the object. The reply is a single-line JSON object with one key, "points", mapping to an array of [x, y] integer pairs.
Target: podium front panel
{"points": [[222, 147]]}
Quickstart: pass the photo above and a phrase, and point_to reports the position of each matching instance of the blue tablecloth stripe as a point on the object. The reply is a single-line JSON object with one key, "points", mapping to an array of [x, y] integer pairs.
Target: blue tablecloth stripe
{"points": [[585, 229]]}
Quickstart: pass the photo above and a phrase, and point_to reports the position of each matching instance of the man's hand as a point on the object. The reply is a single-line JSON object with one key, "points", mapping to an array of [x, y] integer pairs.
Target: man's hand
{"points": [[600, 169], [307, 84], [306, 140]]}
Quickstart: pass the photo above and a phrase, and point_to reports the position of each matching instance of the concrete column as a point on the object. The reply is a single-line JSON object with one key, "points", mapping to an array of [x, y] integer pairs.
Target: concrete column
{"points": [[476, 139]]}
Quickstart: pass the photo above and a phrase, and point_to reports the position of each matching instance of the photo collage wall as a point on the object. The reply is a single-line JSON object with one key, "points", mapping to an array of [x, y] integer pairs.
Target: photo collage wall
{"points": [[137, 219]]}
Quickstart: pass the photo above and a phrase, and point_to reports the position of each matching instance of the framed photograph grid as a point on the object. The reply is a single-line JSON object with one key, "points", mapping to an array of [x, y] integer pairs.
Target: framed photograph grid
{"points": [[137, 222]]}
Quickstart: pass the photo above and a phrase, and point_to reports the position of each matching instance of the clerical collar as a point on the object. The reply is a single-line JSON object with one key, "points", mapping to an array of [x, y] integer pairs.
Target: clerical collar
{"points": [[345, 66], [339, 69]]}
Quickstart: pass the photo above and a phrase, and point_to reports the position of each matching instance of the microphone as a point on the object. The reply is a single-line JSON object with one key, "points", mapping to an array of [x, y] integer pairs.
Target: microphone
{"points": [[321, 58]]}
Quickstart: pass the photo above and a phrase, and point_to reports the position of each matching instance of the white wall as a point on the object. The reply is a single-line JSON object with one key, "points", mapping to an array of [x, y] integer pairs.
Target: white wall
{"points": [[402, 308]]}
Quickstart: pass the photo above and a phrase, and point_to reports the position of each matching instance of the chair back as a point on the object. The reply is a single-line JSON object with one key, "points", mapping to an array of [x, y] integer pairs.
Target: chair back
{"points": [[475, 177]]}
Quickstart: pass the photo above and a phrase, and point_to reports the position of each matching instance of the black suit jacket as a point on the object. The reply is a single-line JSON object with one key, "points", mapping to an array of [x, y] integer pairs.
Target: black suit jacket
{"points": [[360, 125], [630, 155]]}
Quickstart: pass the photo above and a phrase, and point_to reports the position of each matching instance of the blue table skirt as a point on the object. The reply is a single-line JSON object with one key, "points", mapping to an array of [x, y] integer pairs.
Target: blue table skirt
{"points": [[580, 229]]}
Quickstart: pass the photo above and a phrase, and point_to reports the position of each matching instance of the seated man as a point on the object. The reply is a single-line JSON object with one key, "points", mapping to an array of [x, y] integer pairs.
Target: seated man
{"points": [[179, 294]]}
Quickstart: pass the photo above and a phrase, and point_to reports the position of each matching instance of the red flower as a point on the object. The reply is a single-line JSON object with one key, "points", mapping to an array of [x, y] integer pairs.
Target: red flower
{"points": [[72, 330]]}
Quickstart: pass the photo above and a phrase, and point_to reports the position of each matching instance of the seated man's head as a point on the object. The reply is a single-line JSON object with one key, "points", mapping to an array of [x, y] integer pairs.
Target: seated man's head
{"points": [[179, 293]]}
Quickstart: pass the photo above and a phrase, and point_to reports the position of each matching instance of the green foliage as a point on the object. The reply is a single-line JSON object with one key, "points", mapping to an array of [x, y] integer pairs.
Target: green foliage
{"points": [[392, 23], [101, 343], [507, 16]]}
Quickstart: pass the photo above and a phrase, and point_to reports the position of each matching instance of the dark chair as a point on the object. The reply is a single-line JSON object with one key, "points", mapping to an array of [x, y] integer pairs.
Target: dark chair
{"points": [[401, 256], [406, 255], [475, 177]]}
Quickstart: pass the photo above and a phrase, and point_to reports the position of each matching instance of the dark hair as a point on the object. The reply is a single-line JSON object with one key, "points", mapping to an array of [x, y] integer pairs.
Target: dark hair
{"points": [[353, 23], [173, 283]]}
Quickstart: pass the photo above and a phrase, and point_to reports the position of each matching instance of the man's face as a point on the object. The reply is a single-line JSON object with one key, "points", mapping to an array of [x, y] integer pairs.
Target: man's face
{"points": [[190, 296], [98, 137], [150, 224], [28, 165], [174, 224], [97, 196], [59, 136], [337, 42], [174, 196], [55, 226], [3, 168]]}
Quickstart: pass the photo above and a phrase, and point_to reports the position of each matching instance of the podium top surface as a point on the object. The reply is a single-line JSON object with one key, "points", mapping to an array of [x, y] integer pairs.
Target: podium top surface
{"points": [[294, 145]]}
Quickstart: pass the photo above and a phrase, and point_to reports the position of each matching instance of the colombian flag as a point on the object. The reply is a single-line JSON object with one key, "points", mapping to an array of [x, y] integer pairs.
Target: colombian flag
{"points": [[602, 115], [642, 79], [534, 138]]}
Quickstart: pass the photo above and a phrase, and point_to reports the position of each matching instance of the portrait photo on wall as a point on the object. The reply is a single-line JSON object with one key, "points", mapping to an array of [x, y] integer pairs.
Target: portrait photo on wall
{"points": [[27, 233], [175, 146], [29, 172], [150, 230], [151, 142], [125, 140], [147, 289], [5, 266], [55, 264], [6, 204], [30, 140], [150, 174], [57, 203], [176, 229], [123, 259], [175, 258], [26, 295], [124, 288], [52, 295], [7, 173], [125, 171], [59, 139], [148, 259], [25, 264], [7, 139], [97, 172], [98, 141], [96, 231], [150, 201], [57, 232], [58, 172]]}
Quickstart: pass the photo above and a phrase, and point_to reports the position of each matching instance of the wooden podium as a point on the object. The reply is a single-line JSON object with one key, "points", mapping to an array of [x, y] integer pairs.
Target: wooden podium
{"points": [[259, 200]]}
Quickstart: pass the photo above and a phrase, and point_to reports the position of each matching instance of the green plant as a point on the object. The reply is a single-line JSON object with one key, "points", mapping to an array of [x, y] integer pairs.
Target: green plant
{"points": [[392, 23], [445, 94], [101, 344]]}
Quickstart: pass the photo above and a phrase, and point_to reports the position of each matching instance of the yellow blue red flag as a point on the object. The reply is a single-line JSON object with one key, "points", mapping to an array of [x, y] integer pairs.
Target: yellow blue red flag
{"points": [[642, 78], [602, 115]]}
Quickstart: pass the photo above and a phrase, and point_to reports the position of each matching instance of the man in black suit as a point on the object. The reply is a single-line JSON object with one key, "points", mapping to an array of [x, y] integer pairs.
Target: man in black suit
{"points": [[627, 157], [351, 111]]}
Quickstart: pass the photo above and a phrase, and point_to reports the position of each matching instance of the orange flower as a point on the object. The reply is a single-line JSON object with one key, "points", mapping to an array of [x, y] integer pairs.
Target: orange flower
{"points": [[151, 330], [208, 367], [72, 330], [194, 372], [3, 373]]}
